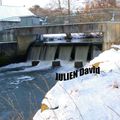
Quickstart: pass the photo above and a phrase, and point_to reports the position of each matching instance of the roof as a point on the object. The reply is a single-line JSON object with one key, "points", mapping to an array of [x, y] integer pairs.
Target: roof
{"points": [[13, 13]]}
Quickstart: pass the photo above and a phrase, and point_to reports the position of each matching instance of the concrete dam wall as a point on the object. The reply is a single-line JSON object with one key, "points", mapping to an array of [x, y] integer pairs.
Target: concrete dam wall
{"points": [[9, 53], [22, 48]]}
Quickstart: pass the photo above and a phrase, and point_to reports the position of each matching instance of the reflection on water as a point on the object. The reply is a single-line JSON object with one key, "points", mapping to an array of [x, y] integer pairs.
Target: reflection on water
{"points": [[22, 92]]}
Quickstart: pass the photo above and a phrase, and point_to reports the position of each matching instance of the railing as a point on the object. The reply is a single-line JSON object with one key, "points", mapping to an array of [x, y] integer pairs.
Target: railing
{"points": [[100, 15]]}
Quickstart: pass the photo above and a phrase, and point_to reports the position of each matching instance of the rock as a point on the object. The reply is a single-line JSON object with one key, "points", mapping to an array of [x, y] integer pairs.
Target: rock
{"points": [[35, 62], [78, 64], [56, 63]]}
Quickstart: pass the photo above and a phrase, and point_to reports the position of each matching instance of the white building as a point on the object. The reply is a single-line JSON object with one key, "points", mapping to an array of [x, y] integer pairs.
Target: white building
{"points": [[14, 16], [11, 16], [13, 13]]}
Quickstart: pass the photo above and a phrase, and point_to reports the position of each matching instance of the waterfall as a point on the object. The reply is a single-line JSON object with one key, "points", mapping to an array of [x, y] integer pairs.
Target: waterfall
{"points": [[81, 53], [34, 53], [50, 52], [65, 52], [30, 57], [96, 51], [37, 53], [42, 52]]}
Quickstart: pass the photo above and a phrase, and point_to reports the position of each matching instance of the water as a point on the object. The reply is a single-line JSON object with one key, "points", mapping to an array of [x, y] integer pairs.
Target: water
{"points": [[22, 92], [42, 53], [58, 50], [81, 53], [34, 53], [65, 52], [96, 52], [50, 52]]}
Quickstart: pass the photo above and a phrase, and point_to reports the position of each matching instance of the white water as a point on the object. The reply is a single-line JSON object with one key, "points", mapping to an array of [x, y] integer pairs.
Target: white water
{"points": [[81, 53], [65, 52], [50, 52], [37, 53], [96, 52], [42, 53]]}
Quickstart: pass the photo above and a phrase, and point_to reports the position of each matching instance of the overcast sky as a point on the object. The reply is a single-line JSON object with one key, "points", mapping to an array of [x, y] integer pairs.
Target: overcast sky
{"points": [[27, 3]]}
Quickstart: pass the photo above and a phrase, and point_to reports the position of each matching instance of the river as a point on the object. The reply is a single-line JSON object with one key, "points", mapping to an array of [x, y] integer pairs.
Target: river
{"points": [[22, 91]]}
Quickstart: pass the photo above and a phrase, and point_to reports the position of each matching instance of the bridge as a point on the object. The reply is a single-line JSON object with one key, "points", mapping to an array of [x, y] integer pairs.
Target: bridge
{"points": [[110, 30]]}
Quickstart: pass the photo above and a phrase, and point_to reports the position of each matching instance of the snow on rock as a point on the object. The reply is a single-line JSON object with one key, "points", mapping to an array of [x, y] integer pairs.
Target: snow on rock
{"points": [[88, 97]]}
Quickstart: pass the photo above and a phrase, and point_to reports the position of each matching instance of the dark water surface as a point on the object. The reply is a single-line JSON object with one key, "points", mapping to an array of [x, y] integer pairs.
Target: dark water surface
{"points": [[22, 92]]}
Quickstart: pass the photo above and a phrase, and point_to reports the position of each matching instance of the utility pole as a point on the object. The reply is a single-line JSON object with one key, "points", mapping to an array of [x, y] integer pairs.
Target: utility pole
{"points": [[59, 2], [69, 7]]}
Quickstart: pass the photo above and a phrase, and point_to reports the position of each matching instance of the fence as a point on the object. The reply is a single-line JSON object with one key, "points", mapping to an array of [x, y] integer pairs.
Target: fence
{"points": [[99, 15]]}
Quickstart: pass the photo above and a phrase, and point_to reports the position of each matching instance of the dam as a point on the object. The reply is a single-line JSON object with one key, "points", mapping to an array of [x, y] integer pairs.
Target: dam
{"points": [[71, 51], [68, 50]]}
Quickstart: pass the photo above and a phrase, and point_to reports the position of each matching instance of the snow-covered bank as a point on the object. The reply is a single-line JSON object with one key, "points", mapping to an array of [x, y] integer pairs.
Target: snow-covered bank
{"points": [[90, 97]]}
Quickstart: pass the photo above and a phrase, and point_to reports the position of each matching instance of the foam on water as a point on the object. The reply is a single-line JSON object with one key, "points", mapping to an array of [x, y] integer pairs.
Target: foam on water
{"points": [[22, 79]]}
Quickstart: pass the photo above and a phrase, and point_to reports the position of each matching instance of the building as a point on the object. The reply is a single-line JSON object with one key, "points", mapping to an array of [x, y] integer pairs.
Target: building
{"points": [[15, 16], [11, 16]]}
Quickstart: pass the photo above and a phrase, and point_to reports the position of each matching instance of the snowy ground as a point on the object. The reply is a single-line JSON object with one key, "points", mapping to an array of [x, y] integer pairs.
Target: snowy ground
{"points": [[90, 97]]}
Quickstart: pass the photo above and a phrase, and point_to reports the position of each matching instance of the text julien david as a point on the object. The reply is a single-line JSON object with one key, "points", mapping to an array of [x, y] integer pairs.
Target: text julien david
{"points": [[77, 73]]}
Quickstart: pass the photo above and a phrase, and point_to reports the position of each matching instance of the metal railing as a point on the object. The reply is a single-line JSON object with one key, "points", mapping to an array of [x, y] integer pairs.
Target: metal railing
{"points": [[100, 15]]}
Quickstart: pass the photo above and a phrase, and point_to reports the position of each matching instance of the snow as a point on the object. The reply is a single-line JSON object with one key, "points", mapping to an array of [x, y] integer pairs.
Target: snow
{"points": [[12, 13], [115, 46], [109, 60], [90, 97]]}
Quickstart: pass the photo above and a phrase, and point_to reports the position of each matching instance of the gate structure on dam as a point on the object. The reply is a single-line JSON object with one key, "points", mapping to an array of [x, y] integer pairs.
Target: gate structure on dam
{"points": [[110, 30], [26, 35]]}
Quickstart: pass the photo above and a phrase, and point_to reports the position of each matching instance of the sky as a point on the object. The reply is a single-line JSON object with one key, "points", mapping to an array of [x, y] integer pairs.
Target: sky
{"points": [[27, 3]]}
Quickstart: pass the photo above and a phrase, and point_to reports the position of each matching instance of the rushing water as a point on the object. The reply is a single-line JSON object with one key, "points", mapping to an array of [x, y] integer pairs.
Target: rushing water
{"points": [[22, 92]]}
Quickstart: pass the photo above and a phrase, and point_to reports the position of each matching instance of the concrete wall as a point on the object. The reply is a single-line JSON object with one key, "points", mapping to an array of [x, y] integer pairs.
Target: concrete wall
{"points": [[13, 48], [7, 36], [9, 53], [23, 43], [110, 29], [7, 24], [111, 35]]}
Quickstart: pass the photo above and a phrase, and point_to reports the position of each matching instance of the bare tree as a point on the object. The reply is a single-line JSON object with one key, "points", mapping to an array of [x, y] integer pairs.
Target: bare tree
{"points": [[100, 4]]}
